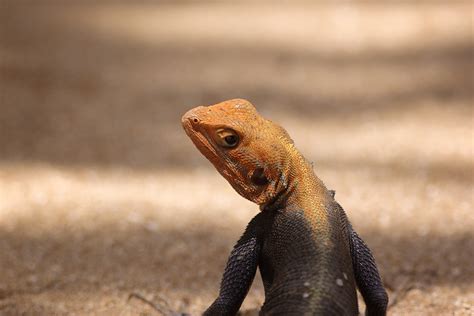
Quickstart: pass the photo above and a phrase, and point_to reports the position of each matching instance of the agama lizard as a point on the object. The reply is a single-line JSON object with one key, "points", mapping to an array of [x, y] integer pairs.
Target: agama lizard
{"points": [[309, 256]]}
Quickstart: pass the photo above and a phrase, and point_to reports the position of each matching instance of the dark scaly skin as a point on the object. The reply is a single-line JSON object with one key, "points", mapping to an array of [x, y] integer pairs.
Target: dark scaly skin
{"points": [[309, 256]]}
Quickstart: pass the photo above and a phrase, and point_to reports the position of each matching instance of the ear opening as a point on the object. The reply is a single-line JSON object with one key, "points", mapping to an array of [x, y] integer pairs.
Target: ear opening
{"points": [[258, 177]]}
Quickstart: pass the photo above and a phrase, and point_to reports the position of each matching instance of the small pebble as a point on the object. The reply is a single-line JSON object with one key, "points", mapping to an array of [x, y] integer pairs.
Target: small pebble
{"points": [[339, 282]]}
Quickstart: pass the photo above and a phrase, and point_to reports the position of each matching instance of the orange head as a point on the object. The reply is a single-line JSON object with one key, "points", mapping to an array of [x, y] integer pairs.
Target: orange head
{"points": [[248, 150]]}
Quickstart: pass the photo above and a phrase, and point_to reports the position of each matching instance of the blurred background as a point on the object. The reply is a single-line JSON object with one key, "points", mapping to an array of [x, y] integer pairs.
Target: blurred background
{"points": [[103, 195]]}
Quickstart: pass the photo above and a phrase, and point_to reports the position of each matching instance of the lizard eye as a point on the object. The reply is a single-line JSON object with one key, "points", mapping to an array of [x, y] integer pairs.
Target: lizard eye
{"points": [[227, 138], [231, 140]]}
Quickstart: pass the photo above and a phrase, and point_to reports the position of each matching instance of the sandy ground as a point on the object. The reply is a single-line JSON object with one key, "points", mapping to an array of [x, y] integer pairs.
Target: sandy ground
{"points": [[102, 195]]}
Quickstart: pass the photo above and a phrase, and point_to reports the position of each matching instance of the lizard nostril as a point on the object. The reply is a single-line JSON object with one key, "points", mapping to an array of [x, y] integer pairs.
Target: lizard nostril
{"points": [[195, 120]]}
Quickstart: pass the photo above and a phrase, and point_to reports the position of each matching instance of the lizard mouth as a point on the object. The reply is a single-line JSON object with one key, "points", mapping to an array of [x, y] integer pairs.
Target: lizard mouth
{"points": [[200, 140]]}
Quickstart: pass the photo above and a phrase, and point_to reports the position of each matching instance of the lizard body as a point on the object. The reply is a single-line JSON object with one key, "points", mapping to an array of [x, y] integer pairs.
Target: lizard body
{"points": [[309, 256]]}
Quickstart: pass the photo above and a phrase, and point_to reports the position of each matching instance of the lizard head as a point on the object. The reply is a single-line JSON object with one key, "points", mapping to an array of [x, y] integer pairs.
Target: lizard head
{"points": [[248, 150]]}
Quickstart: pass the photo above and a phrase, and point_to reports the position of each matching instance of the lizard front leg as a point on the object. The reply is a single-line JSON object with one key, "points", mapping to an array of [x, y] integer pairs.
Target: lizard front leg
{"points": [[365, 269], [239, 272], [367, 276]]}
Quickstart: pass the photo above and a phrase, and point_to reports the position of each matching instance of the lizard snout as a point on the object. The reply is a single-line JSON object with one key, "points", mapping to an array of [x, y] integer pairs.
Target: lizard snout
{"points": [[190, 119]]}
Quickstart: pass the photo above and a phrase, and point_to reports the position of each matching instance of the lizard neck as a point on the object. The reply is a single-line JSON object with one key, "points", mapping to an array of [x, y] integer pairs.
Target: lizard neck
{"points": [[299, 187]]}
